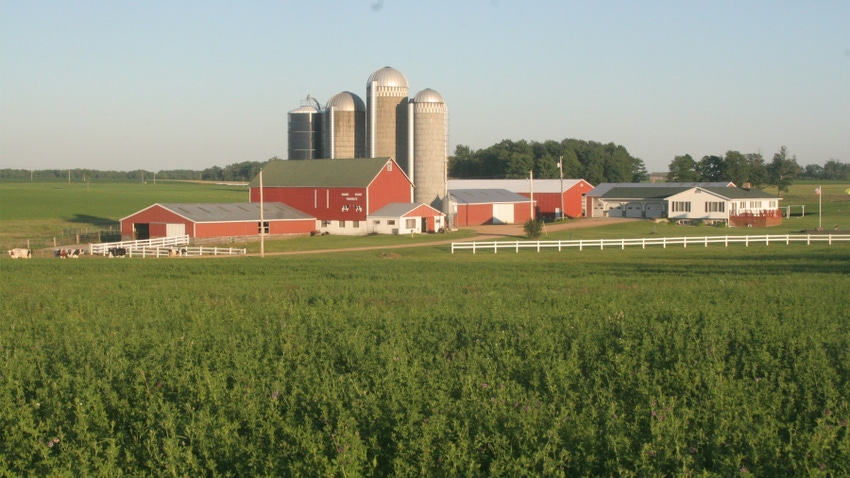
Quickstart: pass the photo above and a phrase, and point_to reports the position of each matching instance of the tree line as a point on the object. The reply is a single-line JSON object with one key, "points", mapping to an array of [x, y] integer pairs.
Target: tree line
{"points": [[588, 160], [244, 172], [751, 168]]}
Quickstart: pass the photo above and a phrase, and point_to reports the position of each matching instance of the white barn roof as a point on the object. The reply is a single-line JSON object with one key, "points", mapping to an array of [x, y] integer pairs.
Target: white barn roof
{"points": [[514, 185]]}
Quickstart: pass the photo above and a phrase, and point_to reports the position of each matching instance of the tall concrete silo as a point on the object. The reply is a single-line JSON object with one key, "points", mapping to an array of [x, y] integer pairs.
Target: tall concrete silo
{"points": [[304, 131], [386, 115], [430, 148], [344, 127]]}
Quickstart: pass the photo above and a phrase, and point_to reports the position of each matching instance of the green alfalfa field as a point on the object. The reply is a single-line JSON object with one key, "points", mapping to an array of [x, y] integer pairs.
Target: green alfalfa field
{"points": [[658, 362]]}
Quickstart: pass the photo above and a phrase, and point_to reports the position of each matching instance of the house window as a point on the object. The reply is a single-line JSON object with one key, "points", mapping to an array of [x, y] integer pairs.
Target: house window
{"points": [[326, 223], [773, 204], [410, 223], [390, 166], [341, 224], [355, 224], [391, 222], [263, 228], [681, 206], [376, 222], [715, 206]]}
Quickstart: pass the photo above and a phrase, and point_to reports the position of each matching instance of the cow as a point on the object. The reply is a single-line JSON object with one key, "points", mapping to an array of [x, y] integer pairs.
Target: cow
{"points": [[75, 253], [60, 253], [116, 252], [20, 253]]}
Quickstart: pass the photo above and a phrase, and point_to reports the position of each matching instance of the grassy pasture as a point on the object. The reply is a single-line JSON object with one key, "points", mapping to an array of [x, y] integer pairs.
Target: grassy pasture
{"points": [[697, 362]]}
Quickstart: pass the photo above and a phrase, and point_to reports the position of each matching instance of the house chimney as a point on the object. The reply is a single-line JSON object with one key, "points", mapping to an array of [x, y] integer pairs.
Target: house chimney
{"points": [[747, 186]]}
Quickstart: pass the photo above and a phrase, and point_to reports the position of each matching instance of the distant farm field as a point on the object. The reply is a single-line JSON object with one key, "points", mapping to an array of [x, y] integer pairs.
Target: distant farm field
{"points": [[40, 211]]}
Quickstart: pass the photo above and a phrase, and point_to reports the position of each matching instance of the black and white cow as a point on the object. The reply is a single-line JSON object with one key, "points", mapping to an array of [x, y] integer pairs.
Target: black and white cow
{"points": [[20, 253], [116, 252]]}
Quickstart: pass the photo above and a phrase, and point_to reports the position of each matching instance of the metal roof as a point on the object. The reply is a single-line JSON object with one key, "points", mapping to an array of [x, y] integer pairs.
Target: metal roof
{"points": [[329, 173], [514, 185], [665, 192], [234, 212], [387, 76], [346, 101], [641, 193], [484, 196], [739, 193], [428, 96], [603, 188]]}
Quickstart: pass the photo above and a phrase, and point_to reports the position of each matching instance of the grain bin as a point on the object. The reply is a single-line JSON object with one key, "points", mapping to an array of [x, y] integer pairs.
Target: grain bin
{"points": [[344, 127], [430, 148], [386, 115], [304, 131]]}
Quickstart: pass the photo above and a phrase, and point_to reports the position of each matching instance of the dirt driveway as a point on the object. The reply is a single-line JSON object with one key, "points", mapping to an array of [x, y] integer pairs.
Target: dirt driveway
{"points": [[486, 232]]}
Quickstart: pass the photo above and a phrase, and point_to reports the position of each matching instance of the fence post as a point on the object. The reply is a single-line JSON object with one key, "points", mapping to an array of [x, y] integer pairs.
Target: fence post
{"points": [[579, 244], [746, 241], [664, 242], [726, 241], [623, 247], [706, 241], [643, 243], [685, 241]]}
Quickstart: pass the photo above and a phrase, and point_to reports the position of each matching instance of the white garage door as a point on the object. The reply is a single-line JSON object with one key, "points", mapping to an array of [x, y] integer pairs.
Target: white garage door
{"points": [[654, 209], [175, 230], [503, 213], [634, 209]]}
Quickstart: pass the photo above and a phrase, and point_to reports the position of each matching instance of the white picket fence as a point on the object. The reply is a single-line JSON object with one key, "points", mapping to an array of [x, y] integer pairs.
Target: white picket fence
{"points": [[581, 244], [162, 247]]}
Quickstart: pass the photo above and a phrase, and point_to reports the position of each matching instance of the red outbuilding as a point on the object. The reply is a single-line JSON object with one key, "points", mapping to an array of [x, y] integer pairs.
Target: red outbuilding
{"points": [[550, 195], [475, 207], [215, 220], [339, 193]]}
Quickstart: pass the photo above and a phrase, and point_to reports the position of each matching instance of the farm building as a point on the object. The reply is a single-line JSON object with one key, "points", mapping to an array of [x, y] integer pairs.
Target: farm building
{"points": [[474, 207], [734, 206], [406, 218], [549, 196], [214, 220], [638, 200], [339, 193], [729, 205]]}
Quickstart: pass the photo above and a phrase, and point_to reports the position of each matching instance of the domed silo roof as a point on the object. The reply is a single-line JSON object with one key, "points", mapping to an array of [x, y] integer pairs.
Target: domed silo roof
{"points": [[346, 101], [428, 96], [305, 109], [387, 76]]}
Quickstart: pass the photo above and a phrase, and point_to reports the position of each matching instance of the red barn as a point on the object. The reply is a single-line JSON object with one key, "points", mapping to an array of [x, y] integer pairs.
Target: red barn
{"points": [[340, 193], [548, 193], [475, 207], [214, 220]]}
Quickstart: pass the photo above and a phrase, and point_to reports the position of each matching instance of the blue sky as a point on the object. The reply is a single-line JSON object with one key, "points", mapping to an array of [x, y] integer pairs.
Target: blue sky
{"points": [[188, 85]]}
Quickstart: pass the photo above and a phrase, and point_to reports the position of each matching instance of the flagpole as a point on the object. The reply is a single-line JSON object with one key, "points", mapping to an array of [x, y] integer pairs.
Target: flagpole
{"points": [[820, 208]]}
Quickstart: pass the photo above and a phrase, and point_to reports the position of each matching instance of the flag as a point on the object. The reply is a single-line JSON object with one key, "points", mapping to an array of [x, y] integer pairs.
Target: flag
{"points": [[817, 191]]}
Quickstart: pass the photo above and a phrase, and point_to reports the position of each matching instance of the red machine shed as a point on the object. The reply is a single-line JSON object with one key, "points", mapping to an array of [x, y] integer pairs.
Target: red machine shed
{"points": [[210, 220], [475, 207], [548, 193]]}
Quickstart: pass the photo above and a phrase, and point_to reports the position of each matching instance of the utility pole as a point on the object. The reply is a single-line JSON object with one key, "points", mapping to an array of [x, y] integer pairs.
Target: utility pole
{"points": [[262, 221], [531, 182], [561, 192]]}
